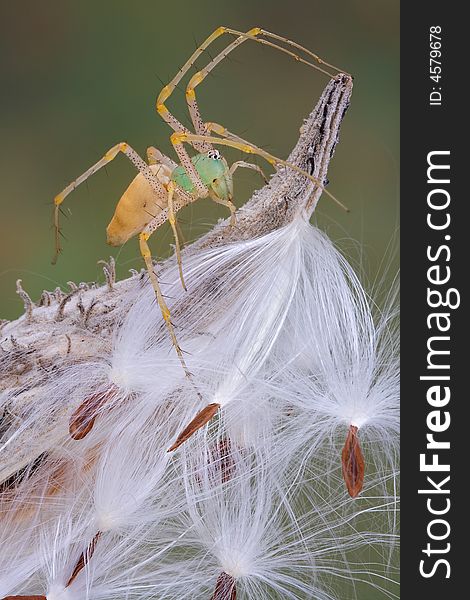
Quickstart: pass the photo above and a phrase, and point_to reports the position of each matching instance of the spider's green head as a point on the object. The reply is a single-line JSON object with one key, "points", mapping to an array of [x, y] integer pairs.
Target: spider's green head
{"points": [[217, 176], [214, 172]]}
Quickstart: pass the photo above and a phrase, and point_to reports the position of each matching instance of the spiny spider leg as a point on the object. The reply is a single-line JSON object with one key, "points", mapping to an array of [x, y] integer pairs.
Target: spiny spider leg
{"points": [[177, 139], [247, 165], [224, 132], [228, 203], [200, 189], [173, 224], [110, 155], [252, 34], [147, 256], [288, 42], [155, 157]]}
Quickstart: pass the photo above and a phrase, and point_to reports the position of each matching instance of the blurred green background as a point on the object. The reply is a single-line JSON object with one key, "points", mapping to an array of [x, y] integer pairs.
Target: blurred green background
{"points": [[77, 77]]}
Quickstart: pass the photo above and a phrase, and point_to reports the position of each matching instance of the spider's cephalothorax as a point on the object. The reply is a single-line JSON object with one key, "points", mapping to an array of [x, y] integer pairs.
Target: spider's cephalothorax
{"points": [[214, 172]]}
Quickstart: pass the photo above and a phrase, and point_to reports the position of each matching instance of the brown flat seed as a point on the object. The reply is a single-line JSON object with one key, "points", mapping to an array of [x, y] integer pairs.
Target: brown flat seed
{"points": [[202, 417], [84, 558], [221, 458], [353, 463], [225, 588], [83, 418]]}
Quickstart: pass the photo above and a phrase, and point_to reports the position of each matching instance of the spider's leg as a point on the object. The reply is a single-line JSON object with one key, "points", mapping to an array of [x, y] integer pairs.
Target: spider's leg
{"points": [[279, 38], [197, 78], [228, 203], [247, 165], [200, 189], [224, 132], [179, 138], [173, 223], [144, 236], [155, 157], [166, 92], [110, 155], [255, 34]]}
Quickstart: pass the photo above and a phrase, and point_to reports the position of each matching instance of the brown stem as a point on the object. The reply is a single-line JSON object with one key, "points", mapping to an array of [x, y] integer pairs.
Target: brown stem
{"points": [[353, 463], [202, 417]]}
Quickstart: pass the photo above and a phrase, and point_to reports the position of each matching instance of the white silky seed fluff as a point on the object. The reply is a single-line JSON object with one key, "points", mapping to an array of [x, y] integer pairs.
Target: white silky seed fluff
{"points": [[266, 323]]}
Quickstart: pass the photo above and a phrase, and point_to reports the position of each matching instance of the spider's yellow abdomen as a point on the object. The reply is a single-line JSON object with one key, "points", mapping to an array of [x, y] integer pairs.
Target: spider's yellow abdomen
{"points": [[137, 206]]}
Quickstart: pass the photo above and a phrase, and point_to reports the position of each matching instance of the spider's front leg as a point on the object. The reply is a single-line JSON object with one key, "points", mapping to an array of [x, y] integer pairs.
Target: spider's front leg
{"points": [[232, 141], [168, 214], [147, 256], [174, 227], [110, 155], [255, 34], [201, 189], [247, 165], [228, 203], [155, 157]]}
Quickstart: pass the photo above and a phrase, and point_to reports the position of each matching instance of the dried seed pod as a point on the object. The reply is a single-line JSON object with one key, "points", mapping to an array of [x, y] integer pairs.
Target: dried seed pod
{"points": [[225, 588], [353, 463], [202, 417], [83, 418]]}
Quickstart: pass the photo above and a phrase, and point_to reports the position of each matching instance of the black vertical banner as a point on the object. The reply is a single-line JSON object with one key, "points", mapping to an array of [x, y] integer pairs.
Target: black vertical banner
{"points": [[435, 248]]}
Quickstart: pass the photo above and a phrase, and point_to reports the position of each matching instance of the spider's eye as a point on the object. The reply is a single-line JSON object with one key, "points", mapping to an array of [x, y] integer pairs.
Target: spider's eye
{"points": [[214, 154]]}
